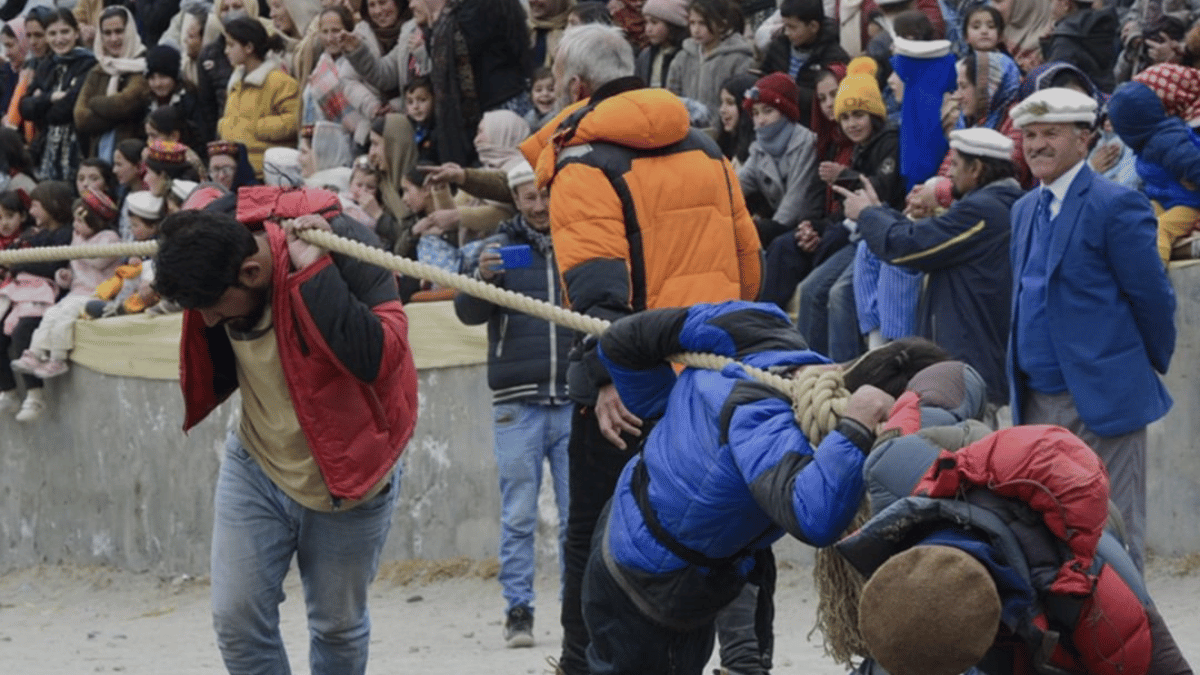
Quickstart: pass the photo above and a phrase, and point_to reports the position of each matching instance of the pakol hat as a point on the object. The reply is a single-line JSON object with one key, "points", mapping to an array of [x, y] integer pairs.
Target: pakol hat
{"points": [[228, 148], [777, 90], [520, 174], [163, 152], [860, 90], [100, 204], [1055, 105], [674, 12], [181, 189], [931, 610], [982, 142], [144, 205]]}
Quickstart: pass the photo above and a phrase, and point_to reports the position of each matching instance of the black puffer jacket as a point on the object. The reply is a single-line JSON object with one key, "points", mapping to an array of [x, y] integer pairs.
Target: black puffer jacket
{"points": [[1088, 39], [824, 51], [527, 357]]}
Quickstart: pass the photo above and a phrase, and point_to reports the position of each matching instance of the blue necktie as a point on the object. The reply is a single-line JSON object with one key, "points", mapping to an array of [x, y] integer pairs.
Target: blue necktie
{"points": [[1041, 217]]}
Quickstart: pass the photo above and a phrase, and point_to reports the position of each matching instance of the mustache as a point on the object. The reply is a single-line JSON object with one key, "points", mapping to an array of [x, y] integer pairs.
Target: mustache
{"points": [[1041, 153]]}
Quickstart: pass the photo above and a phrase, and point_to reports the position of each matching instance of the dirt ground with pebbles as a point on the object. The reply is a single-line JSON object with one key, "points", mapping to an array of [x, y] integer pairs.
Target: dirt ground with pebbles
{"points": [[441, 617]]}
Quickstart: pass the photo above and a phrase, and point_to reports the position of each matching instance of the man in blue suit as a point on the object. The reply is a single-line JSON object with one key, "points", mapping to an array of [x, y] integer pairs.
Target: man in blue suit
{"points": [[1093, 312]]}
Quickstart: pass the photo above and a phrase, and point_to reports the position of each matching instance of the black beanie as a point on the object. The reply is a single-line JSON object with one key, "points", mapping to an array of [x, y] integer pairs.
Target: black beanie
{"points": [[163, 59]]}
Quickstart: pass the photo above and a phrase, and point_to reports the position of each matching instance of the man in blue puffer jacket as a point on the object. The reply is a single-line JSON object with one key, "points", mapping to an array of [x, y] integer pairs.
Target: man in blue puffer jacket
{"points": [[725, 472]]}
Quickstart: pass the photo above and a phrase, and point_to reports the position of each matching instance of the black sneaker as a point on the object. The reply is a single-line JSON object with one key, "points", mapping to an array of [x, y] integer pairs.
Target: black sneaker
{"points": [[518, 627]]}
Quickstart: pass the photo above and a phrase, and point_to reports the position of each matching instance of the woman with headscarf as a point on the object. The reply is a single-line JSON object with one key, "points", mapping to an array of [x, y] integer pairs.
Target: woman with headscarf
{"points": [[1026, 22], [334, 91], [112, 103], [13, 80], [229, 165], [393, 159], [391, 72], [50, 102], [988, 87]]}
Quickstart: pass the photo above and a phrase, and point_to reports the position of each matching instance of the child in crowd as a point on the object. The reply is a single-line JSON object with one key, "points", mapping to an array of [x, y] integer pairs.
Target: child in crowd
{"points": [[544, 101], [128, 291], [96, 174], [808, 43], [178, 195], [14, 222], [168, 124], [983, 28], [782, 159], [95, 223], [715, 51], [666, 29], [127, 166], [363, 194], [418, 106], [827, 316], [166, 161], [31, 289], [736, 130]]}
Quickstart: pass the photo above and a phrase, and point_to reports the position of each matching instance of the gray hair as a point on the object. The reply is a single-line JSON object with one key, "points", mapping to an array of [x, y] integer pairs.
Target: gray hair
{"points": [[594, 53]]}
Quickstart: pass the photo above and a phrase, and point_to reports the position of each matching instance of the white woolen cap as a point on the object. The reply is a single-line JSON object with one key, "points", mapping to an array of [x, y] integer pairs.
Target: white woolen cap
{"points": [[1055, 105], [920, 49], [144, 205], [520, 174], [982, 142]]}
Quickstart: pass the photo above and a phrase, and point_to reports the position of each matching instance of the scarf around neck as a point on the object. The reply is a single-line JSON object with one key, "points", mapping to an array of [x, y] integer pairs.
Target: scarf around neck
{"points": [[519, 229], [774, 137]]}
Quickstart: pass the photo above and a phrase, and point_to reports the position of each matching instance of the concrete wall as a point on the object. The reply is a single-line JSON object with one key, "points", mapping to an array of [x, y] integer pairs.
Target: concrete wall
{"points": [[106, 476]]}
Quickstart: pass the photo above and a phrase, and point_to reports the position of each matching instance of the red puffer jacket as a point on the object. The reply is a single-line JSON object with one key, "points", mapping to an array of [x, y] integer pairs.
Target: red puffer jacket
{"points": [[343, 344]]}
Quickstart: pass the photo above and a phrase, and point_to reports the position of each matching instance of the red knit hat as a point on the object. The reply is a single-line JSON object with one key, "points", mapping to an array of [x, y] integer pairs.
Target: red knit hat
{"points": [[777, 90]]}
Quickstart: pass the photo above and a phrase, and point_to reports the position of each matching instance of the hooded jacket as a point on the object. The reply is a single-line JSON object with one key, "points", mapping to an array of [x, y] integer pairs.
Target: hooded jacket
{"points": [[700, 76], [1167, 149], [646, 212], [726, 470], [343, 346]]}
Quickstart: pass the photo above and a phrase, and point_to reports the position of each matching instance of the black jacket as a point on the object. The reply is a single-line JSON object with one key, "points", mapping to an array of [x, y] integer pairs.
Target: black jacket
{"points": [[527, 356], [1088, 39], [212, 80], [822, 52], [499, 53], [65, 73], [645, 63]]}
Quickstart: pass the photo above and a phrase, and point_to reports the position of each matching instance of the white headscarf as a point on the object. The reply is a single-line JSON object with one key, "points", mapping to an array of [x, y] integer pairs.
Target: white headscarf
{"points": [[132, 57]]}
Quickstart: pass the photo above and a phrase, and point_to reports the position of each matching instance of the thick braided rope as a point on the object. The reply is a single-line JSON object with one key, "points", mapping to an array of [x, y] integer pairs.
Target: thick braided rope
{"points": [[818, 397]]}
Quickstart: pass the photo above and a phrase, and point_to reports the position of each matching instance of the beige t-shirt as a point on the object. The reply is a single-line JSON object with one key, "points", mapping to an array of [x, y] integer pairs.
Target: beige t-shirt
{"points": [[269, 429]]}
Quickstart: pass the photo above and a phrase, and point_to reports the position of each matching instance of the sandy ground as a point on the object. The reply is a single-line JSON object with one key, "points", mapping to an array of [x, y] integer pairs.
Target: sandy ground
{"points": [[428, 618]]}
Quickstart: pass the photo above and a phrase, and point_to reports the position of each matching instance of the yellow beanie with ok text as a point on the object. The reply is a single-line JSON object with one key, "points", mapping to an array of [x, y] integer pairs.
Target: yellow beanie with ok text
{"points": [[860, 90]]}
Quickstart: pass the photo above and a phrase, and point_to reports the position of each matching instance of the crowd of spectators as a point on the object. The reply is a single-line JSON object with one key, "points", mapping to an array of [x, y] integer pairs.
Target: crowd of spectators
{"points": [[116, 114]]}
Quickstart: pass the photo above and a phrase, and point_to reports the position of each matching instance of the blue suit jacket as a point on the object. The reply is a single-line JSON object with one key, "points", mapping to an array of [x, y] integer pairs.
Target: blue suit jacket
{"points": [[1110, 306]]}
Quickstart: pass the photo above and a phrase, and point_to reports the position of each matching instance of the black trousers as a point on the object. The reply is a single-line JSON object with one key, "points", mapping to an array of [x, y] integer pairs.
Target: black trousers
{"points": [[595, 465]]}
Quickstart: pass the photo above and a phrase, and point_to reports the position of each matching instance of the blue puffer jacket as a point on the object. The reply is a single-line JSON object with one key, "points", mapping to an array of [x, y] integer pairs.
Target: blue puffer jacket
{"points": [[1168, 152], [728, 469]]}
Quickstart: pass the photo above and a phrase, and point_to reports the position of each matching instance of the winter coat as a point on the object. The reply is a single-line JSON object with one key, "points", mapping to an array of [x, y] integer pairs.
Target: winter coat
{"points": [[262, 110], [823, 51], [527, 356], [726, 470], [1088, 39], [643, 66], [212, 86], [1039, 496], [879, 160], [500, 65], [56, 73], [646, 213], [700, 77], [784, 182], [965, 301], [343, 345], [1110, 307], [1168, 150], [97, 113]]}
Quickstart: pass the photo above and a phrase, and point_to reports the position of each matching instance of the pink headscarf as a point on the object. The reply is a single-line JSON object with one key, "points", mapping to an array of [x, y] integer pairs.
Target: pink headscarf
{"points": [[1177, 86], [17, 26]]}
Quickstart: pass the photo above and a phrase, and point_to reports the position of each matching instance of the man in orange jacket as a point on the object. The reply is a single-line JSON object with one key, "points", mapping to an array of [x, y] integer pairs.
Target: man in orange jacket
{"points": [[645, 212]]}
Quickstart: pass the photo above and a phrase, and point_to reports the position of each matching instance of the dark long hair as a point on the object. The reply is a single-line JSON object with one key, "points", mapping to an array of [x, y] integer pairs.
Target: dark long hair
{"points": [[736, 143], [250, 32]]}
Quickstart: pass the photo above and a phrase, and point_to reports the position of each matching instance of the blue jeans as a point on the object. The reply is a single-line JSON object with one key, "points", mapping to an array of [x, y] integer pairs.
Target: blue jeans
{"points": [[526, 434], [827, 319], [257, 529]]}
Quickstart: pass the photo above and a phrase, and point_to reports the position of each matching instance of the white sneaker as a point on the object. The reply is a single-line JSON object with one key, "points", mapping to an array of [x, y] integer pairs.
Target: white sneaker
{"points": [[10, 402], [32, 408]]}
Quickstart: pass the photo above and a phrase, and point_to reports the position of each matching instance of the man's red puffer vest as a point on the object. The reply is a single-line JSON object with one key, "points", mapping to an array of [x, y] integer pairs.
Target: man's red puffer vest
{"points": [[355, 429]]}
